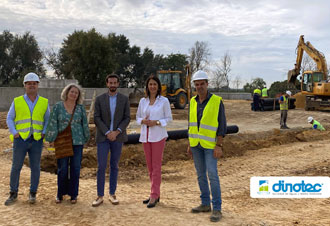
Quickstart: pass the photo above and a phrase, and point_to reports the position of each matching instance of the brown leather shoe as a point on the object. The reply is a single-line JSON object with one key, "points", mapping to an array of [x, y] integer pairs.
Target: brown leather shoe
{"points": [[12, 198], [216, 216], [201, 209], [58, 200]]}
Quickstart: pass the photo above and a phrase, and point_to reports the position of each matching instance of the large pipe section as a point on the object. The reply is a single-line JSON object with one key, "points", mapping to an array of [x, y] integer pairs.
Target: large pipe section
{"points": [[271, 104], [176, 134]]}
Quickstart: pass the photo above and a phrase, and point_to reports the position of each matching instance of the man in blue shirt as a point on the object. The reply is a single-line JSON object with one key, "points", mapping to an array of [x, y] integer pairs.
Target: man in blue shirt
{"points": [[284, 107], [111, 117], [27, 120], [205, 144]]}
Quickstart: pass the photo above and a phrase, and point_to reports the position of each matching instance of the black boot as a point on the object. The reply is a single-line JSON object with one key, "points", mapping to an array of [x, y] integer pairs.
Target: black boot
{"points": [[12, 198]]}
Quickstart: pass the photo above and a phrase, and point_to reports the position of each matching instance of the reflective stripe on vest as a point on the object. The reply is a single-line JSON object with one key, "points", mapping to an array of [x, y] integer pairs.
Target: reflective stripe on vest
{"points": [[23, 120], [284, 105], [207, 132], [319, 126]]}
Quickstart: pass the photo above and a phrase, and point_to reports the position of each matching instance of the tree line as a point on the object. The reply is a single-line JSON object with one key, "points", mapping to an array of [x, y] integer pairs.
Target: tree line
{"points": [[89, 56]]}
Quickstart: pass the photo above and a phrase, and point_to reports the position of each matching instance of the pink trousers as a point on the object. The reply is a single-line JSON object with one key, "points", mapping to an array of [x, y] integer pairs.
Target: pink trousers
{"points": [[154, 155]]}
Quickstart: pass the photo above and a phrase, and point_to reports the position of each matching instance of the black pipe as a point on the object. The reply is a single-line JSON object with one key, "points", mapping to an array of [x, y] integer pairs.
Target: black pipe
{"points": [[175, 134], [270, 103]]}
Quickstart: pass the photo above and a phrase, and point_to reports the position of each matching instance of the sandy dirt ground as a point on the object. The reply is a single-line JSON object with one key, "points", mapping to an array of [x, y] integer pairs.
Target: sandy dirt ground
{"points": [[259, 149]]}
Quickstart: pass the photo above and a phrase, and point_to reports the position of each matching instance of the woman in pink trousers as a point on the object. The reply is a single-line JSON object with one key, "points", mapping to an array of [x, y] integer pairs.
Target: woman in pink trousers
{"points": [[153, 114]]}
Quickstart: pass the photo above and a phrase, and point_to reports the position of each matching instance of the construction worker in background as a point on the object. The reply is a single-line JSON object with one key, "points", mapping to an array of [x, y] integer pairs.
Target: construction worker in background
{"points": [[264, 92], [316, 124], [256, 99], [207, 127], [27, 120], [284, 107]]}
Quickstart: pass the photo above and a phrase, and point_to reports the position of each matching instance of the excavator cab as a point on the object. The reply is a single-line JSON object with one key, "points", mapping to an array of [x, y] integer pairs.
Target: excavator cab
{"points": [[171, 81], [312, 81]]}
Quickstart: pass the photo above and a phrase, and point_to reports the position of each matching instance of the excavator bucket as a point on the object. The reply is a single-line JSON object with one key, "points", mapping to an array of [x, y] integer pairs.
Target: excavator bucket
{"points": [[292, 76]]}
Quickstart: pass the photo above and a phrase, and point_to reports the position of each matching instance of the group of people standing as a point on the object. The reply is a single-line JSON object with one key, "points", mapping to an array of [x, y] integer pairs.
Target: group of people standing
{"points": [[258, 94], [30, 121]]}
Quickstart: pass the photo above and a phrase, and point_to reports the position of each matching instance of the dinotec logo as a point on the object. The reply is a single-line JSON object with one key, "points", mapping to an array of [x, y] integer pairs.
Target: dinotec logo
{"points": [[290, 187], [281, 186]]}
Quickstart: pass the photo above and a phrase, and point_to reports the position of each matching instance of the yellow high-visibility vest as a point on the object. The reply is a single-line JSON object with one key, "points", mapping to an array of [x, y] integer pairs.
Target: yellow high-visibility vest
{"points": [[206, 134], [24, 122], [284, 105], [258, 91], [264, 92], [319, 126]]}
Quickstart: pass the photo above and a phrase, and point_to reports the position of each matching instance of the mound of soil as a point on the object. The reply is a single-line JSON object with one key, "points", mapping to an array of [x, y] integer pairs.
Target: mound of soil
{"points": [[319, 169], [133, 161]]}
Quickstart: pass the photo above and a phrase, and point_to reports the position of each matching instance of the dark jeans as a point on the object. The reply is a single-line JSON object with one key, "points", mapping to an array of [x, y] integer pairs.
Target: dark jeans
{"points": [[103, 149], [68, 178], [21, 147], [256, 102]]}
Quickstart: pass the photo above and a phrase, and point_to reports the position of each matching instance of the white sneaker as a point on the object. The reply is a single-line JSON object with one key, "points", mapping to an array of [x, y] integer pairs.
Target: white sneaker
{"points": [[113, 200], [97, 202]]}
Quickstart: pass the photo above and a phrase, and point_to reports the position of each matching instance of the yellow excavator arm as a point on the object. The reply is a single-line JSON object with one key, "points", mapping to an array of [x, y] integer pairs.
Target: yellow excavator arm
{"points": [[316, 55], [188, 81]]}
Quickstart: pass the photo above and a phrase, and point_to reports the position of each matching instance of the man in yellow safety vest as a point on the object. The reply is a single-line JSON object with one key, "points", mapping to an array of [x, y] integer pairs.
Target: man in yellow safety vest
{"points": [[207, 127], [316, 124], [284, 107], [27, 121], [256, 99], [264, 92]]}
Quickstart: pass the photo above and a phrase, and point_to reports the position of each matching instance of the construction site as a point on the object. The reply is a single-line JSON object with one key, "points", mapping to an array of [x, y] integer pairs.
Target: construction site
{"points": [[256, 147], [72, 72], [260, 148]]}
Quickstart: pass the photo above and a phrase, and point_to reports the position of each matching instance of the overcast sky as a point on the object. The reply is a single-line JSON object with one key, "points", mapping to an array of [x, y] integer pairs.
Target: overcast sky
{"points": [[260, 35]]}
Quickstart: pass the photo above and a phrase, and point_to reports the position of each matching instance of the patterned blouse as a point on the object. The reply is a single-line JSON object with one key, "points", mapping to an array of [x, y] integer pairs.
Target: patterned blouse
{"points": [[59, 120]]}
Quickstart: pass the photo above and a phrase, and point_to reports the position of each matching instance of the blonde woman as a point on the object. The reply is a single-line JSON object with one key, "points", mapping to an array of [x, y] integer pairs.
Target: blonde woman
{"points": [[59, 119]]}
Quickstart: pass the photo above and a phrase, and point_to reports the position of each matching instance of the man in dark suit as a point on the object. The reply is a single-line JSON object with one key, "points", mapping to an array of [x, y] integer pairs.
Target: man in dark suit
{"points": [[111, 117]]}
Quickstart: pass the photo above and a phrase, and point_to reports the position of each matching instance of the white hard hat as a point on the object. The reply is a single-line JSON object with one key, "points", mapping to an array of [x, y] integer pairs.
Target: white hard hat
{"points": [[31, 77], [288, 92], [200, 75], [310, 119]]}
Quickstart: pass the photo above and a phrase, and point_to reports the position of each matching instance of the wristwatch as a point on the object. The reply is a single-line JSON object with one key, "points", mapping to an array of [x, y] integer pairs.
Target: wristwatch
{"points": [[219, 145], [158, 123]]}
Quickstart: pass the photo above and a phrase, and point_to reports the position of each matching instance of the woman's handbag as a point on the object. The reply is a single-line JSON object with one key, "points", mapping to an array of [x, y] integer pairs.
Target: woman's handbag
{"points": [[63, 141]]}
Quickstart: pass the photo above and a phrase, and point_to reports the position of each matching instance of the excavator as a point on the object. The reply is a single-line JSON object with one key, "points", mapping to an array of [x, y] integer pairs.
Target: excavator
{"points": [[314, 84], [176, 86]]}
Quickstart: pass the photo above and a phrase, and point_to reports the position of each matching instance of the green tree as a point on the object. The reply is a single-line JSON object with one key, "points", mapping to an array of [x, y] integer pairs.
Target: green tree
{"points": [[278, 88], [175, 62], [19, 55], [256, 83], [87, 57], [119, 46]]}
